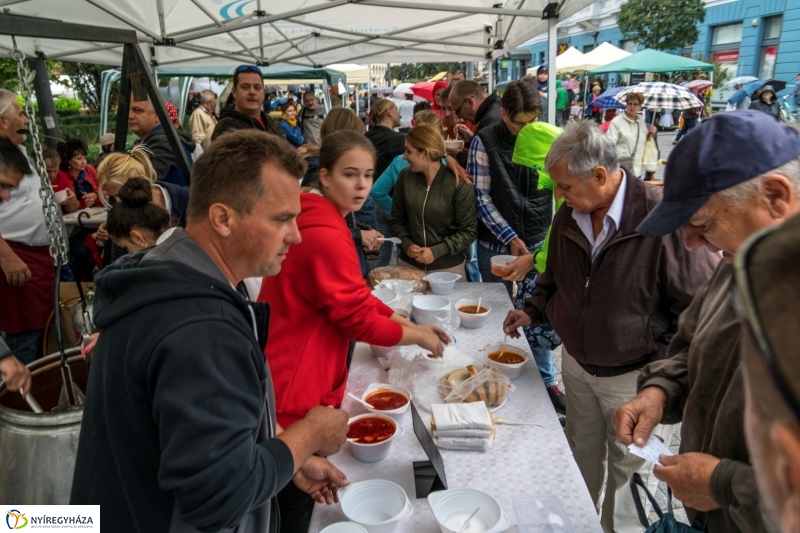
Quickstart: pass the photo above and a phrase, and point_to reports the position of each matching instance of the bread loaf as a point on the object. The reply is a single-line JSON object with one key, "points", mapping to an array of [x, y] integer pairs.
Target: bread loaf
{"points": [[492, 391]]}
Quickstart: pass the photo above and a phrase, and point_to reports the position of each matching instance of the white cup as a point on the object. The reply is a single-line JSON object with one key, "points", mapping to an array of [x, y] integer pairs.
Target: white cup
{"points": [[61, 196]]}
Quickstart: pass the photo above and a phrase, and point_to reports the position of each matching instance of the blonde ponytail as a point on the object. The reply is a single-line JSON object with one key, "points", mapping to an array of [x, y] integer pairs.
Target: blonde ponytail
{"points": [[119, 167]]}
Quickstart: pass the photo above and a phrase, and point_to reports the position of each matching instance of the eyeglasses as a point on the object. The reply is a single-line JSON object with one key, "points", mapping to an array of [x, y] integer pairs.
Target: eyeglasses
{"points": [[249, 68], [751, 323], [457, 111], [523, 123]]}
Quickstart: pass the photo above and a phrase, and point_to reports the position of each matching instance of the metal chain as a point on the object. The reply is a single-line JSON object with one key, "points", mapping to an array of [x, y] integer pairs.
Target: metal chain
{"points": [[50, 208]]}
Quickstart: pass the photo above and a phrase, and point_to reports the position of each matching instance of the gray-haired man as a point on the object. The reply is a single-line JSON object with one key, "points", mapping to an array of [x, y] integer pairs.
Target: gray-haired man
{"points": [[203, 119], [613, 296]]}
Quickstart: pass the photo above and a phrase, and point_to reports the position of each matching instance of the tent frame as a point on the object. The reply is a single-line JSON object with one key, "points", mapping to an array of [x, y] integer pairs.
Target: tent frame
{"points": [[136, 77]]}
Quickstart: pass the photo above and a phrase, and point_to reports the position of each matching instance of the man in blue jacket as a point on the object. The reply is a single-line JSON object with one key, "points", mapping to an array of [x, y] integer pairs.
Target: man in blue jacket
{"points": [[179, 431]]}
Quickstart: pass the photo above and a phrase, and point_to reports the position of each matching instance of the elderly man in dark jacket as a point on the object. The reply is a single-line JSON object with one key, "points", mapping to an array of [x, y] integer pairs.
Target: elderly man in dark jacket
{"points": [[613, 296], [179, 431], [720, 196]]}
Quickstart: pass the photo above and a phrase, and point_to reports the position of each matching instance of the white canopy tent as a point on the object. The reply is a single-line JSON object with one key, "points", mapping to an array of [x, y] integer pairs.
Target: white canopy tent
{"points": [[569, 61], [355, 73], [603, 55], [223, 33]]}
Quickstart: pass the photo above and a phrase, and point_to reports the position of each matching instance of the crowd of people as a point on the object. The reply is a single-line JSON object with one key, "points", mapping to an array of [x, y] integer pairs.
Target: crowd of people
{"points": [[243, 285]]}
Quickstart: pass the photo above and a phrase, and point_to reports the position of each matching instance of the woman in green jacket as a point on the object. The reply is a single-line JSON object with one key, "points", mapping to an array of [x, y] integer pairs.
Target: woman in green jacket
{"points": [[433, 206]]}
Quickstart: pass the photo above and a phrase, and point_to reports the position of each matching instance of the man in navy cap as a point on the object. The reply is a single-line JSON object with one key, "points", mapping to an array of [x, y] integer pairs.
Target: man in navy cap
{"points": [[734, 175]]}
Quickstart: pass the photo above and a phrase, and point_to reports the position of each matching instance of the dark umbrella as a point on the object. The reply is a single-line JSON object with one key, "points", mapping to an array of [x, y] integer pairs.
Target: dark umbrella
{"points": [[750, 88]]}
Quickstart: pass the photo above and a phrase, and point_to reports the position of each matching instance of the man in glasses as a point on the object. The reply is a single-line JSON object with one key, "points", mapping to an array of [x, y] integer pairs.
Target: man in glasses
{"points": [[471, 103], [720, 194], [246, 112], [769, 303]]}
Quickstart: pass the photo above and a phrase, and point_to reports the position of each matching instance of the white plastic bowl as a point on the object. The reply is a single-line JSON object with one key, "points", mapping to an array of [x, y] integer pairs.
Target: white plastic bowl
{"points": [[387, 296], [395, 414], [499, 262], [431, 310], [448, 504], [473, 320], [372, 453], [377, 504], [442, 282], [344, 527], [456, 144], [512, 371]]}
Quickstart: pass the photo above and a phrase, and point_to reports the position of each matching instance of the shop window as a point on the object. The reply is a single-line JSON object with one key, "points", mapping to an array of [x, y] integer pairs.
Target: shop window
{"points": [[727, 34], [630, 46], [772, 27], [766, 67]]}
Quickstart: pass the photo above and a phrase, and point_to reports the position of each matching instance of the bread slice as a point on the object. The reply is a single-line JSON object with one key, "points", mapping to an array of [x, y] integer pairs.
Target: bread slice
{"points": [[481, 390]]}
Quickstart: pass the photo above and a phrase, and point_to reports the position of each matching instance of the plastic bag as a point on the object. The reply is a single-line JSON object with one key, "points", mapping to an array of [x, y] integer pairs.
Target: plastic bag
{"points": [[379, 274], [409, 368], [650, 158], [489, 385]]}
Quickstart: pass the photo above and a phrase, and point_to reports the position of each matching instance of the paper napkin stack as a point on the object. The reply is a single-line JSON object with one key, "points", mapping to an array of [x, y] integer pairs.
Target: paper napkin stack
{"points": [[462, 426]]}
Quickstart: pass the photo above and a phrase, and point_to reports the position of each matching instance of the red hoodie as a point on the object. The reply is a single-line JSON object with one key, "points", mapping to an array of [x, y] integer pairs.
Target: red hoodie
{"points": [[318, 302]]}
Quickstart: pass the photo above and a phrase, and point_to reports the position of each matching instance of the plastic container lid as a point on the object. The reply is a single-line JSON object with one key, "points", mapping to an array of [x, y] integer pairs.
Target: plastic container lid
{"points": [[539, 514]]}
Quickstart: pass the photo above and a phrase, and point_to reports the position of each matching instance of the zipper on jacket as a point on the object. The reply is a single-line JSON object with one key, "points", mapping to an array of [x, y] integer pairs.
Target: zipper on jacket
{"points": [[424, 233], [586, 287]]}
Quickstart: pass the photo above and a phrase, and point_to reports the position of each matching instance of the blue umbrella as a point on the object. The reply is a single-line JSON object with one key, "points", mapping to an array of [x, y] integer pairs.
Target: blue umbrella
{"points": [[750, 88], [607, 100]]}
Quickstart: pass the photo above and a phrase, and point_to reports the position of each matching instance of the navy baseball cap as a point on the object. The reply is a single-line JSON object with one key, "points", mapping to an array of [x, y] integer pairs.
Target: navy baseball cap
{"points": [[725, 150]]}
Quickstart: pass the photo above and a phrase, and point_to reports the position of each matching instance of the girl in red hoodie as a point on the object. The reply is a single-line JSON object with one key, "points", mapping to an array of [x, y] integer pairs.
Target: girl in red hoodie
{"points": [[320, 302]]}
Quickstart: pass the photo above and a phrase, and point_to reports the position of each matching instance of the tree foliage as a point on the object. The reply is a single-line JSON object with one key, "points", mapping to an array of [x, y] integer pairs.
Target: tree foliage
{"points": [[85, 80], [411, 72], [661, 24]]}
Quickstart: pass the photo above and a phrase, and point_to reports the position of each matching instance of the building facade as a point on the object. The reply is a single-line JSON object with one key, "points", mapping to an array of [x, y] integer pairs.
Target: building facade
{"points": [[748, 37]]}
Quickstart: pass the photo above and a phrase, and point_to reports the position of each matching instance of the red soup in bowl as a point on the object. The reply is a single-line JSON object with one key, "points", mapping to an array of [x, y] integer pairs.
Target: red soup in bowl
{"points": [[386, 400], [370, 430]]}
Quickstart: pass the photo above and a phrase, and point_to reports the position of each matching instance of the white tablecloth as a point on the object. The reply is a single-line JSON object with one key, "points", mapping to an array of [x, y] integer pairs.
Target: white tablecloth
{"points": [[523, 460]]}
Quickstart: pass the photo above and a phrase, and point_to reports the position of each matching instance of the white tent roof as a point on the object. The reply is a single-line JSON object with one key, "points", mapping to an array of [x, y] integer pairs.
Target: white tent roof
{"points": [[569, 61], [307, 33], [355, 73], [603, 55]]}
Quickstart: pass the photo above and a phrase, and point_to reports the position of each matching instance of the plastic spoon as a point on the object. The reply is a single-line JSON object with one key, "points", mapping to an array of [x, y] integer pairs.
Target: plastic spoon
{"points": [[478, 309], [464, 526], [390, 239], [359, 400], [503, 347]]}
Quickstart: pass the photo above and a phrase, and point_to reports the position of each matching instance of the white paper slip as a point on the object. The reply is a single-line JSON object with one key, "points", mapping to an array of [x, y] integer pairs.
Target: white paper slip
{"points": [[650, 451]]}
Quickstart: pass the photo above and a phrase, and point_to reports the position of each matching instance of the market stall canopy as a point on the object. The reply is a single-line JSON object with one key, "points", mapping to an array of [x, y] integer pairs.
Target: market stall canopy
{"points": [[355, 73], [268, 32], [652, 61], [603, 55], [569, 61]]}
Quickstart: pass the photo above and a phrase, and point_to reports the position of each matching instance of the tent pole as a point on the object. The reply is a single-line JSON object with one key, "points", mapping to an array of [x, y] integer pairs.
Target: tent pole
{"points": [[47, 109], [552, 48]]}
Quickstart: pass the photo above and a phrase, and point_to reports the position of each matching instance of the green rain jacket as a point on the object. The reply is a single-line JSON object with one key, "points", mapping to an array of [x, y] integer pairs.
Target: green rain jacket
{"points": [[562, 100], [533, 143]]}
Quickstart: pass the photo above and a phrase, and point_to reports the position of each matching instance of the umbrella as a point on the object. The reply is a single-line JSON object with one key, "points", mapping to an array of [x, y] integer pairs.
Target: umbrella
{"points": [[699, 85], [381, 90], [752, 87], [278, 102], [740, 80], [403, 89], [660, 95], [424, 89], [607, 100]]}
